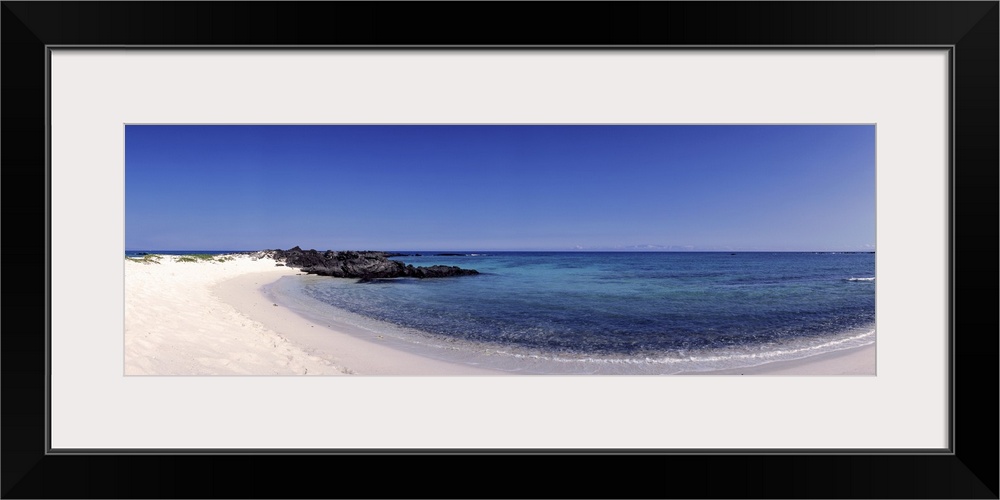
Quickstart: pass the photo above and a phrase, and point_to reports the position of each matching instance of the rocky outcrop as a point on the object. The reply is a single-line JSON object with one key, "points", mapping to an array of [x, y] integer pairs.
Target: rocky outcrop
{"points": [[367, 265]]}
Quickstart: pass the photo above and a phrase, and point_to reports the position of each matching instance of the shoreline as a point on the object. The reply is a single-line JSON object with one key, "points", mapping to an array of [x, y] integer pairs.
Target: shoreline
{"points": [[859, 360], [357, 356], [172, 308]]}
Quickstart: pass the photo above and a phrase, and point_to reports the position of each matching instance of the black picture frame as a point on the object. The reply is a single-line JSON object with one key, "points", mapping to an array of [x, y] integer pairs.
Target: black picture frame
{"points": [[970, 29]]}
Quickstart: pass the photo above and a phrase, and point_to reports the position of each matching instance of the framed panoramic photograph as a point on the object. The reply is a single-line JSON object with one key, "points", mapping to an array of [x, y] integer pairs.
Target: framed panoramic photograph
{"points": [[698, 251], [556, 220]]}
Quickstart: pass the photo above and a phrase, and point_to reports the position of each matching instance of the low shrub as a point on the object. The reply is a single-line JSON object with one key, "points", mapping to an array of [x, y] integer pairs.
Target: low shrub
{"points": [[146, 259]]}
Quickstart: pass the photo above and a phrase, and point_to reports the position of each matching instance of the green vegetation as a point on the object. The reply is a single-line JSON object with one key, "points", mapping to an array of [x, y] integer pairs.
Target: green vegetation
{"points": [[146, 259], [204, 257], [196, 257]]}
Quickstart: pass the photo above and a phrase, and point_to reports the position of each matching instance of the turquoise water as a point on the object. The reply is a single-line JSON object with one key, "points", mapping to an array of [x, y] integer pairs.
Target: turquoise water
{"points": [[720, 308]]}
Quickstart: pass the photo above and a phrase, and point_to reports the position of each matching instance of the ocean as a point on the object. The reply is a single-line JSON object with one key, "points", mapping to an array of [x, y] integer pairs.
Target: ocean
{"points": [[608, 312]]}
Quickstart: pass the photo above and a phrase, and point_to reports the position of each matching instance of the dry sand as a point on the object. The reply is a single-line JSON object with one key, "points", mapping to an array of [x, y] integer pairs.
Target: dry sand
{"points": [[330, 342], [174, 325], [213, 318]]}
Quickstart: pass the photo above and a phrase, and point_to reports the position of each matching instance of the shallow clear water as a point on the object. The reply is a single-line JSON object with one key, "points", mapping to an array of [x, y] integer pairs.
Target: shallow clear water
{"points": [[626, 306]]}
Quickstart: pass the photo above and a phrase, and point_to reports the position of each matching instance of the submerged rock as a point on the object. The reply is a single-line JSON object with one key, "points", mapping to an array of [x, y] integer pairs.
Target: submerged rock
{"points": [[366, 265]]}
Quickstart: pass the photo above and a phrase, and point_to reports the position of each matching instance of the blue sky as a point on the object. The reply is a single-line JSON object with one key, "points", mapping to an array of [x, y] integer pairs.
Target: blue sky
{"points": [[493, 187]]}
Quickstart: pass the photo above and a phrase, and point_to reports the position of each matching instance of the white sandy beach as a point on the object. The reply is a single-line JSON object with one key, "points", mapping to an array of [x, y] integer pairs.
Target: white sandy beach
{"points": [[213, 318], [210, 318]]}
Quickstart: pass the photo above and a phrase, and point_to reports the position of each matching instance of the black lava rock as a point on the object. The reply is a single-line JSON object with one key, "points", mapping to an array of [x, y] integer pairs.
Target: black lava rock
{"points": [[366, 265]]}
